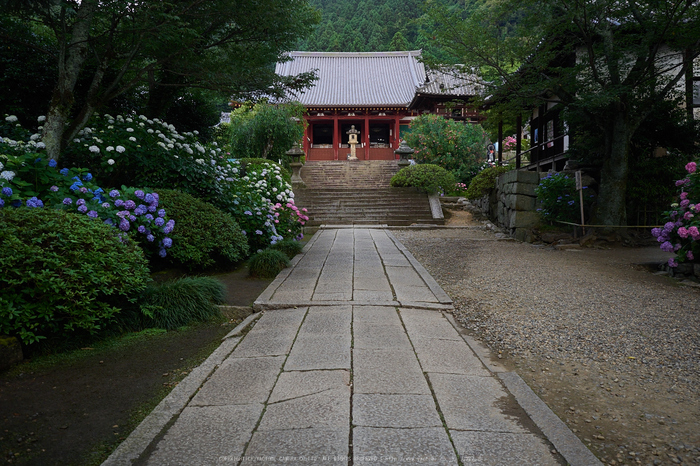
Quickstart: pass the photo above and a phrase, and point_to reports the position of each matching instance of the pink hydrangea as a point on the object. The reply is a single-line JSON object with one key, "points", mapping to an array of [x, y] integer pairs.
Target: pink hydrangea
{"points": [[683, 232], [691, 167], [690, 255], [694, 232], [684, 195]]}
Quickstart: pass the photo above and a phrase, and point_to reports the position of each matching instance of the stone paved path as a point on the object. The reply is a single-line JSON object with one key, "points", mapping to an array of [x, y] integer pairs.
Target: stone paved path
{"points": [[352, 361]]}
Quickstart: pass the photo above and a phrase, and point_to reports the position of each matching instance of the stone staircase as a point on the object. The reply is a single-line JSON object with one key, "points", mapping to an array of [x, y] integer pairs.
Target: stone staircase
{"points": [[359, 193]]}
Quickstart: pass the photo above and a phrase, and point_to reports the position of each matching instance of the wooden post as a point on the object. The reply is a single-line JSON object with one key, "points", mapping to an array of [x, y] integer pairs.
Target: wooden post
{"points": [[518, 140], [500, 142]]}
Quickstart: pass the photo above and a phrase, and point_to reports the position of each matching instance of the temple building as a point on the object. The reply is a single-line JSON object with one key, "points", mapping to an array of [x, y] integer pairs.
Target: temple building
{"points": [[378, 93]]}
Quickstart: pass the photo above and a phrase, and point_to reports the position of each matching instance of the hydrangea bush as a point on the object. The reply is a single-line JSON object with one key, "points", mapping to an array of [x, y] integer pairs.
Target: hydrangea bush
{"points": [[681, 233], [137, 151], [29, 180], [558, 199], [262, 201]]}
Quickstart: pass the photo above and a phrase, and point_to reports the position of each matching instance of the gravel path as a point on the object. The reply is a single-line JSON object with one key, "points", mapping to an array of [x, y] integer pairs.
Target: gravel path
{"points": [[613, 349]]}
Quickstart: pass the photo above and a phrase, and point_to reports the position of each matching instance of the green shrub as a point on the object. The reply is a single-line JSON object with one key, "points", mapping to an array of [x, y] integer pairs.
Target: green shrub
{"points": [[180, 302], [428, 177], [485, 180], [289, 247], [63, 272], [204, 235], [267, 263]]}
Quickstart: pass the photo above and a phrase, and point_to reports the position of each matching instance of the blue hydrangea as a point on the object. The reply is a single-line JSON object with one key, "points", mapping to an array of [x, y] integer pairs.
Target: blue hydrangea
{"points": [[113, 193], [141, 229], [162, 253], [109, 221], [167, 242], [149, 217], [52, 163], [161, 213], [80, 202], [149, 199], [7, 191], [2, 203], [92, 214], [63, 171], [140, 194], [82, 209], [124, 225], [118, 203], [87, 177], [160, 222], [150, 238], [67, 201]]}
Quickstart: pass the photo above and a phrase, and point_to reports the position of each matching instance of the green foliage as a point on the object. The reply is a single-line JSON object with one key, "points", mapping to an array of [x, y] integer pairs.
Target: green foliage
{"points": [[63, 273], [219, 45], [371, 26], [484, 181], [28, 76], [428, 177], [558, 199], [457, 147], [289, 247], [180, 302], [205, 236], [267, 263], [266, 131]]}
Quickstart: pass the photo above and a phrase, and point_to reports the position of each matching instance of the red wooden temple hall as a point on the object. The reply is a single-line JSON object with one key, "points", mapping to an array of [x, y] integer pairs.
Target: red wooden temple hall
{"points": [[378, 93]]}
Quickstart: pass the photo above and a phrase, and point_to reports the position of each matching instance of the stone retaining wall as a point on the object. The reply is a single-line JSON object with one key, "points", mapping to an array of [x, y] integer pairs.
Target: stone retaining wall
{"points": [[511, 204]]}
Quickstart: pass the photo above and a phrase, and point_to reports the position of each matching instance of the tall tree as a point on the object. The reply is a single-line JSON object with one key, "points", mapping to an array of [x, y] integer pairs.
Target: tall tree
{"points": [[119, 45], [610, 63]]}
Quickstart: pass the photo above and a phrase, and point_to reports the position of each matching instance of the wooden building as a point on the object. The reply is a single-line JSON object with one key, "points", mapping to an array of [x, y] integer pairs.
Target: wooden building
{"points": [[378, 93]]}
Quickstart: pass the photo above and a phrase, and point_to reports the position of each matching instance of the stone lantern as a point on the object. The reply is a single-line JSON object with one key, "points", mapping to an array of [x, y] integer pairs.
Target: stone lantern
{"points": [[403, 152], [296, 153], [352, 141]]}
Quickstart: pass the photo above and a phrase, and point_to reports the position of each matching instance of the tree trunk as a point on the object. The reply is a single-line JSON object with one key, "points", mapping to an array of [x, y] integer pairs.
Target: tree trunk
{"points": [[71, 60], [613, 180]]}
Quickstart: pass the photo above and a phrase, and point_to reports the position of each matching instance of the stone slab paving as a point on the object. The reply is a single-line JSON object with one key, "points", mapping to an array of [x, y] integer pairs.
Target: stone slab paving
{"points": [[353, 379]]}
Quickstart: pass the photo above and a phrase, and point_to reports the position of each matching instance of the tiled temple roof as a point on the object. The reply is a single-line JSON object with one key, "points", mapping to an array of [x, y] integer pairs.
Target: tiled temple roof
{"points": [[357, 79]]}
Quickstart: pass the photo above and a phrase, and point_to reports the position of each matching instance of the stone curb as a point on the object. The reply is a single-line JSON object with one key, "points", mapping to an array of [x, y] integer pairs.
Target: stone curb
{"points": [[566, 443], [439, 293], [240, 327], [172, 405]]}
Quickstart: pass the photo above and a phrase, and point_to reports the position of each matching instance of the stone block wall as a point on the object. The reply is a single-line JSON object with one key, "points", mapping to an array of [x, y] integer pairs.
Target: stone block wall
{"points": [[512, 203]]}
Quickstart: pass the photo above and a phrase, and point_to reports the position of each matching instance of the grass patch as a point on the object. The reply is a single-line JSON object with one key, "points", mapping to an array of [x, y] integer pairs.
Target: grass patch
{"points": [[267, 263]]}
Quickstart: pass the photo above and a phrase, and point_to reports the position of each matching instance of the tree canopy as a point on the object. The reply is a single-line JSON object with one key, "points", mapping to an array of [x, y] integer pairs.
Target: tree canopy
{"points": [[156, 48], [613, 65]]}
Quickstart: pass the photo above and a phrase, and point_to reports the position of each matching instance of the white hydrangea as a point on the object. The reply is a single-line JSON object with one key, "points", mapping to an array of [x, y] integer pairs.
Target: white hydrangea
{"points": [[1, 166], [120, 149], [41, 118], [7, 175], [34, 137], [162, 144], [129, 130], [11, 119], [109, 148], [149, 131], [143, 117], [94, 149], [170, 146], [110, 162], [40, 145], [200, 161], [129, 120], [132, 139]]}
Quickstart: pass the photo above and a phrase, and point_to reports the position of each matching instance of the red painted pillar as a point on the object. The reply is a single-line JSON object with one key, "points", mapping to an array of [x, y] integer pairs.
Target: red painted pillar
{"points": [[397, 135]]}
